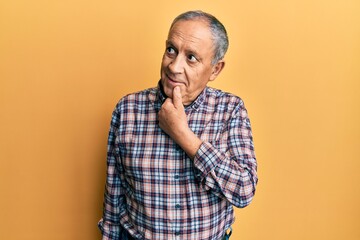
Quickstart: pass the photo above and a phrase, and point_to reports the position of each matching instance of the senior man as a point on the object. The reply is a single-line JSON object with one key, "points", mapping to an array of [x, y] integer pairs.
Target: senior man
{"points": [[180, 155]]}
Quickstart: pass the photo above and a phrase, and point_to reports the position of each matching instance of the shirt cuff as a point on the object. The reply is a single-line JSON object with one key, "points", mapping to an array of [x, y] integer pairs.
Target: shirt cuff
{"points": [[109, 231], [207, 158]]}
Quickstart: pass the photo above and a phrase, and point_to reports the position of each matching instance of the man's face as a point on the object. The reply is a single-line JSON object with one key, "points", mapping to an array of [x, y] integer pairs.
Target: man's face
{"points": [[187, 59]]}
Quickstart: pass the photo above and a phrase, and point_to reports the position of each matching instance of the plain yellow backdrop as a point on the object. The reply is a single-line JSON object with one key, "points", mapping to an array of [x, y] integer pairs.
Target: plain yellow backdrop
{"points": [[65, 64]]}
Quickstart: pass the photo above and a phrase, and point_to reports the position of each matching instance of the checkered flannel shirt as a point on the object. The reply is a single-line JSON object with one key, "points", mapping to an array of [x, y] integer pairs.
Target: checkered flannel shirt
{"points": [[155, 191]]}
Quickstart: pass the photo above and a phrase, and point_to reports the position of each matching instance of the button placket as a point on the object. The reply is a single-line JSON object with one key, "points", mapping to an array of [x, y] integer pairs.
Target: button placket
{"points": [[178, 157]]}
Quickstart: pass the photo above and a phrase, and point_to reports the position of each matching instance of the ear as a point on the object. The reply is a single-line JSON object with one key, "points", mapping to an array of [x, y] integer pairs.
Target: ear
{"points": [[216, 69]]}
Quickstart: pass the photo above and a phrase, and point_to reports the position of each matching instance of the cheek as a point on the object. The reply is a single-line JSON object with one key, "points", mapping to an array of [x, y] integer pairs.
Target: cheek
{"points": [[196, 78], [163, 62], [163, 70], [200, 78]]}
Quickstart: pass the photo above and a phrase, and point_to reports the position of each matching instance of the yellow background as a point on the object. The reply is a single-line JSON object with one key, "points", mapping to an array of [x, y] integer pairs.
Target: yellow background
{"points": [[65, 64]]}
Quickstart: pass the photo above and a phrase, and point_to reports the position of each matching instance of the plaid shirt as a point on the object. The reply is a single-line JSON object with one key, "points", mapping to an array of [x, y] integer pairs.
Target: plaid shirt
{"points": [[155, 191]]}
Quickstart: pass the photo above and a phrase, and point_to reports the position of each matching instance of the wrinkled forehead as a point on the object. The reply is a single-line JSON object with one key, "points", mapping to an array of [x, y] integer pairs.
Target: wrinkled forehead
{"points": [[191, 30]]}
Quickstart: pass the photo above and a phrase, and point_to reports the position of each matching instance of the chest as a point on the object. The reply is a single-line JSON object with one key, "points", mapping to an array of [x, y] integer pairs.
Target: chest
{"points": [[146, 150]]}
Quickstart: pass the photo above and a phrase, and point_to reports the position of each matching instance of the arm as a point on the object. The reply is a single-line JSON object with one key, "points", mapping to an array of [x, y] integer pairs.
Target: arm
{"points": [[172, 119], [115, 217], [229, 172], [109, 225]]}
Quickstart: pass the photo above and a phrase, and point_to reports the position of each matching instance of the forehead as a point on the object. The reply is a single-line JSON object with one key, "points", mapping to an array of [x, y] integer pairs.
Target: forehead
{"points": [[191, 32]]}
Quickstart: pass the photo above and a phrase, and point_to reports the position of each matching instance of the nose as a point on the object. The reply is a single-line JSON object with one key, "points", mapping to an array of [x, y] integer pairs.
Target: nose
{"points": [[177, 65]]}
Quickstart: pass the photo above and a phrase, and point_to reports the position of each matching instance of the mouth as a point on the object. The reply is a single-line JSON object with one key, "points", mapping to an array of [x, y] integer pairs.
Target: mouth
{"points": [[173, 81]]}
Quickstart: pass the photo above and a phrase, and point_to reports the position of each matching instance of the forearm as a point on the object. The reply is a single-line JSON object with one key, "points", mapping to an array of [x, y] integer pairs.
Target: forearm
{"points": [[228, 176], [231, 177], [173, 120], [227, 164], [188, 141]]}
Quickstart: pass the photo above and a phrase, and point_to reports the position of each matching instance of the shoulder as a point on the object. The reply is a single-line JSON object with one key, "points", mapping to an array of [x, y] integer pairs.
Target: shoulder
{"points": [[228, 104], [224, 99], [140, 99]]}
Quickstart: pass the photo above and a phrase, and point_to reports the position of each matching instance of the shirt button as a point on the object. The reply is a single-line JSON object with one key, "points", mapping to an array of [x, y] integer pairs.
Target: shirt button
{"points": [[177, 206], [177, 233], [177, 176]]}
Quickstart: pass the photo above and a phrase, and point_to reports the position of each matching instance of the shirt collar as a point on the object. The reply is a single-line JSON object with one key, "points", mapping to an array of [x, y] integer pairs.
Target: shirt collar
{"points": [[161, 97]]}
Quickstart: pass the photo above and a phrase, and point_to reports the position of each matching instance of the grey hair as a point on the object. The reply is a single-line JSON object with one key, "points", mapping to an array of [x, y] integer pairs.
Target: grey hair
{"points": [[217, 29]]}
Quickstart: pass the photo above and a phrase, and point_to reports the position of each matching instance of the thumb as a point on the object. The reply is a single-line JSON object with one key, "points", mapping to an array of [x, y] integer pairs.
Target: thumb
{"points": [[177, 99]]}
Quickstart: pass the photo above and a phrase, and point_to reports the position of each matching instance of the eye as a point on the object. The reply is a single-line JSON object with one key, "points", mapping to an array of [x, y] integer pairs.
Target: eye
{"points": [[170, 50], [192, 58]]}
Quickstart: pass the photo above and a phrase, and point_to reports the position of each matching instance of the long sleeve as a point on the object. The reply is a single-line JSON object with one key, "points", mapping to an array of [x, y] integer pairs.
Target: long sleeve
{"points": [[228, 165], [110, 223], [115, 218]]}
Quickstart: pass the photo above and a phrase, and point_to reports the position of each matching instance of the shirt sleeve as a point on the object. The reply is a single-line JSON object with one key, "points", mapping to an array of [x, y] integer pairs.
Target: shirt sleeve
{"points": [[115, 218], [109, 225], [228, 166]]}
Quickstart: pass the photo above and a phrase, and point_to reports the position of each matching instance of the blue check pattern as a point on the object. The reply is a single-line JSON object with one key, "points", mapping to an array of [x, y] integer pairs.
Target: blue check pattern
{"points": [[155, 191]]}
